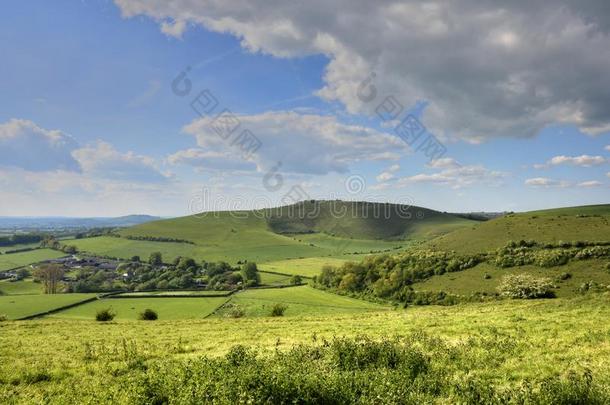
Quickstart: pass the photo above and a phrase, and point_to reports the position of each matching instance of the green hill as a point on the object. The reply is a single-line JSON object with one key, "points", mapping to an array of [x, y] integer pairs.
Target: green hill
{"points": [[307, 229], [589, 223]]}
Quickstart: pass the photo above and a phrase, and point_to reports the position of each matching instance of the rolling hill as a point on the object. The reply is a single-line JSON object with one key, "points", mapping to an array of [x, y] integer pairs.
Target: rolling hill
{"points": [[307, 229], [590, 223]]}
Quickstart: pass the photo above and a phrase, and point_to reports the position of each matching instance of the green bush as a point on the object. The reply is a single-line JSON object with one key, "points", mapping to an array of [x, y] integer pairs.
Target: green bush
{"points": [[148, 315], [525, 286], [105, 315], [235, 311], [296, 280], [3, 318], [278, 309]]}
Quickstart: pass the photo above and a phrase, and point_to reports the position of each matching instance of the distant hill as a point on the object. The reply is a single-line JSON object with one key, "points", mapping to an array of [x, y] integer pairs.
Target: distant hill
{"points": [[363, 220], [590, 222], [50, 223]]}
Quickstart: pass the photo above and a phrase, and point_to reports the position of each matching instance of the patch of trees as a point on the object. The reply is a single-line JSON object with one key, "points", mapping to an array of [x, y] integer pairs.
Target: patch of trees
{"points": [[182, 273], [526, 286], [52, 243], [549, 254], [158, 239], [50, 276], [390, 277], [19, 239]]}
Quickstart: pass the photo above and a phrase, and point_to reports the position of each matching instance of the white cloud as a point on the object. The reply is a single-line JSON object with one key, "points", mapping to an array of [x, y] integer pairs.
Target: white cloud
{"points": [[582, 160], [25, 145], [486, 70], [104, 161], [546, 182], [209, 159], [298, 143], [590, 183], [607, 148], [388, 174]]}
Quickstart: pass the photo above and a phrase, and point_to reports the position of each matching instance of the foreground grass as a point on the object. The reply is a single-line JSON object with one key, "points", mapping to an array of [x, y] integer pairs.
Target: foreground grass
{"points": [[18, 306], [496, 345], [14, 260]]}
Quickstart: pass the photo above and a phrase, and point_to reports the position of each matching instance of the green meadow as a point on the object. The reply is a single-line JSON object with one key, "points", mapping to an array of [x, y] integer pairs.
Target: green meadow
{"points": [[19, 306], [15, 260], [168, 308]]}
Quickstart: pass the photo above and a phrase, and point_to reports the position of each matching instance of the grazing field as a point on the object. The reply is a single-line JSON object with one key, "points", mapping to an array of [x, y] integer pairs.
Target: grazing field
{"points": [[19, 246], [300, 301], [308, 267], [14, 260], [27, 286], [274, 279], [168, 308], [474, 280], [19, 306], [478, 348], [590, 223]]}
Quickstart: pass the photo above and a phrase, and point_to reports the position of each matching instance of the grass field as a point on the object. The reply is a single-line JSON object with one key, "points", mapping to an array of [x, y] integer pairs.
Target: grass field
{"points": [[129, 308], [15, 260], [19, 246], [563, 224], [18, 306], [274, 279], [501, 343], [308, 267], [473, 280], [301, 301], [27, 286]]}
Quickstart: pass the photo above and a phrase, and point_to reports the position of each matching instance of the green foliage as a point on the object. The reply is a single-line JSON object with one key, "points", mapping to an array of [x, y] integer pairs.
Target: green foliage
{"points": [[525, 286], [105, 315], [155, 259], [3, 318], [234, 311], [250, 275], [278, 309], [148, 315], [296, 280]]}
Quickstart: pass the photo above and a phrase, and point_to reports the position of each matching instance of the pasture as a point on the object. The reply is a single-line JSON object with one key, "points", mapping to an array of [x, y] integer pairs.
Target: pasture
{"points": [[19, 306], [15, 260], [168, 308], [26, 286], [300, 301]]}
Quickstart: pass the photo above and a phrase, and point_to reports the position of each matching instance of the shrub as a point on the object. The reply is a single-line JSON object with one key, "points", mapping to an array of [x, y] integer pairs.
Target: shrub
{"points": [[525, 286], [278, 309], [487, 276], [148, 315], [565, 276], [296, 279], [105, 315], [235, 311], [3, 318]]}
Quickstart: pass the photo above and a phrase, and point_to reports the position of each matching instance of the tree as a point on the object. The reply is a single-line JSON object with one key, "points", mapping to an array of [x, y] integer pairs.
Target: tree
{"points": [[249, 272], [50, 275], [186, 263], [155, 259], [135, 259], [296, 279]]}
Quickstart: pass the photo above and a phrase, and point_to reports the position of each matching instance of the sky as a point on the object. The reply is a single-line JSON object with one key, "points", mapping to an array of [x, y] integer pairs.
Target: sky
{"points": [[170, 108]]}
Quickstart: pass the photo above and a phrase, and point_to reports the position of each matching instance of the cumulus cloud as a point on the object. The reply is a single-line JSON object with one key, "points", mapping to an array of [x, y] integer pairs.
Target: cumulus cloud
{"points": [[297, 143], [209, 159], [546, 182], [388, 174], [25, 145], [458, 177], [607, 148], [104, 161], [487, 70], [582, 161]]}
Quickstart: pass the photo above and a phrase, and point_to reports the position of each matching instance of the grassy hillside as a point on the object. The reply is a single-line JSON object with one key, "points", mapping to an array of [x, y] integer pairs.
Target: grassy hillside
{"points": [[496, 345], [363, 220], [563, 224], [18, 306], [280, 234]]}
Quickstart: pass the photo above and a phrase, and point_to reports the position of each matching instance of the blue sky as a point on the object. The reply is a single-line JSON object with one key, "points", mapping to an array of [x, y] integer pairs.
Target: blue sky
{"points": [[90, 126]]}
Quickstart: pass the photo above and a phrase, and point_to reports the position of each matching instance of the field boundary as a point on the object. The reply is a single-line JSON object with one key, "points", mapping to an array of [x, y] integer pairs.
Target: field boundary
{"points": [[277, 273]]}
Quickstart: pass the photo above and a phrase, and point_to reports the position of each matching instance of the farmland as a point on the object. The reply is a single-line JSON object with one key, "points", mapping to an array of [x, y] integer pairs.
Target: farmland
{"points": [[18, 306], [168, 308], [14, 260]]}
